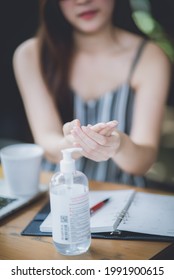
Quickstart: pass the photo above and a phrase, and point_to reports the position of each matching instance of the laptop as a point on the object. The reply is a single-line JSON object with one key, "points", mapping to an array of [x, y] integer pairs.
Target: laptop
{"points": [[9, 203]]}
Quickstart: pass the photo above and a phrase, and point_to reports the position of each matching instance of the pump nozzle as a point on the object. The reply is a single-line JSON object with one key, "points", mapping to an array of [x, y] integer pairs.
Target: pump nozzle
{"points": [[67, 164]]}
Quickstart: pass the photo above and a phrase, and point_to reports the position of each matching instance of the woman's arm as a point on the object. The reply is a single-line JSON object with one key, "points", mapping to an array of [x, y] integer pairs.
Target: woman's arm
{"points": [[135, 153], [42, 115]]}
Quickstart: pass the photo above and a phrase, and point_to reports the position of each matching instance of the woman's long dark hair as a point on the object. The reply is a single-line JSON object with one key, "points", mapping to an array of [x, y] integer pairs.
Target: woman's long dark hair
{"points": [[56, 53], [55, 50]]}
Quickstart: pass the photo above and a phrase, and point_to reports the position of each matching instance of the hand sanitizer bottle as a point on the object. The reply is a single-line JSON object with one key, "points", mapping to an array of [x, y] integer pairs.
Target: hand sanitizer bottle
{"points": [[69, 197]]}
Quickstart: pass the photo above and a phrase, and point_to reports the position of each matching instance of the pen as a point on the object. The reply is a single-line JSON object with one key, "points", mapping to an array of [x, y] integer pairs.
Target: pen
{"points": [[98, 206]]}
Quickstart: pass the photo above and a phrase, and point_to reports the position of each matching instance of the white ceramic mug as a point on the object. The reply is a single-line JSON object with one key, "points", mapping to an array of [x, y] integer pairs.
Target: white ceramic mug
{"points": [[21, 165]]}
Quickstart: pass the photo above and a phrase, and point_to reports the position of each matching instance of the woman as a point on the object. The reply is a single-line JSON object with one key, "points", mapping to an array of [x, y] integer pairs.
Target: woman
{"points": [[81, 72]]}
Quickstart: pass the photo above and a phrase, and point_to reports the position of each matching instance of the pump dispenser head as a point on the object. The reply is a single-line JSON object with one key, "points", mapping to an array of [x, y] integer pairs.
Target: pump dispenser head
{"points": [[67, 164]]}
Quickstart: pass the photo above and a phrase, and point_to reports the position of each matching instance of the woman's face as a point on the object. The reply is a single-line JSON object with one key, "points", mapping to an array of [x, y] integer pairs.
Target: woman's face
{"points": [[87, 16]]}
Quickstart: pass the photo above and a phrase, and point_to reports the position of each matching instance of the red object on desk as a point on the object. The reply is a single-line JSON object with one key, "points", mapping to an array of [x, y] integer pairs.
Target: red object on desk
{"points": [[98, 206]]}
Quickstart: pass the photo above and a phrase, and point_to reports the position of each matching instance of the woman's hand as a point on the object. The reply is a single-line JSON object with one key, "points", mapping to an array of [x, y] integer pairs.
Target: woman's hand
{"points": [[67, 128], [105, 129], [99, 142]]}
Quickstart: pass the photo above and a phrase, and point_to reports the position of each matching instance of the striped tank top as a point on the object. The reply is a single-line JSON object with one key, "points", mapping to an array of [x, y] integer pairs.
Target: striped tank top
{"points": [[116, 105]]}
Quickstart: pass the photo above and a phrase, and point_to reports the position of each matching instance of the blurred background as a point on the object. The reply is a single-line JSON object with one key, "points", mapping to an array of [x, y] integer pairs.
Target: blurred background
{"points": [[18, 22]]}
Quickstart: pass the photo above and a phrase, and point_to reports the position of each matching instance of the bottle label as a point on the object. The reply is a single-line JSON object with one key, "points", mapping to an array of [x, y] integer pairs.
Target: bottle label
{"points": [[71, 217]]}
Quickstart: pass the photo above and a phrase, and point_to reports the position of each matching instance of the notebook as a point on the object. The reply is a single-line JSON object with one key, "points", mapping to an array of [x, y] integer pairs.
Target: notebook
{"points": [[10, 203], [129, 211]]}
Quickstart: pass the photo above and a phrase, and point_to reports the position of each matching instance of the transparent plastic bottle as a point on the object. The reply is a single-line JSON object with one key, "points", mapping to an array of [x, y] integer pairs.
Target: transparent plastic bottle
{"points": [[69, 197]]}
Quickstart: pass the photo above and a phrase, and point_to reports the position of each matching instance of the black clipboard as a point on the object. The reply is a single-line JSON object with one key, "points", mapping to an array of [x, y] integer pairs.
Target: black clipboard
{"points": [[33, 228]]}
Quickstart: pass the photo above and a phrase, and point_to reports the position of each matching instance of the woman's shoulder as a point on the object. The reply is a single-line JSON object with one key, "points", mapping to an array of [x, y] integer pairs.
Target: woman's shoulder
{"points": [[151, 50], [154, 59], [151, 53], [27, 50], [151, 61]]}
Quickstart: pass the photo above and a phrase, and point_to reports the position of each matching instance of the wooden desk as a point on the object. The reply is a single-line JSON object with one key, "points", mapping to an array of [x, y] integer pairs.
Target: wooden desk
{"points": [[14, 246]]}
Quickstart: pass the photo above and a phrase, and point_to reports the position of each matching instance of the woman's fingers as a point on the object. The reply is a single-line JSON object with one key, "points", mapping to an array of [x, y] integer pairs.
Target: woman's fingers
{"points": [[97, 137], [98, 142], [97, 127], [67, 127], [83, 139], [105, 129], [94, 145]]}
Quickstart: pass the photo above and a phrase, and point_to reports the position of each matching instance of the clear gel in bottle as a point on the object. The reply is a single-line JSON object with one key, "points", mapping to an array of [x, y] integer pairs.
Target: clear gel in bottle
{"points": [[70, 211]]}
